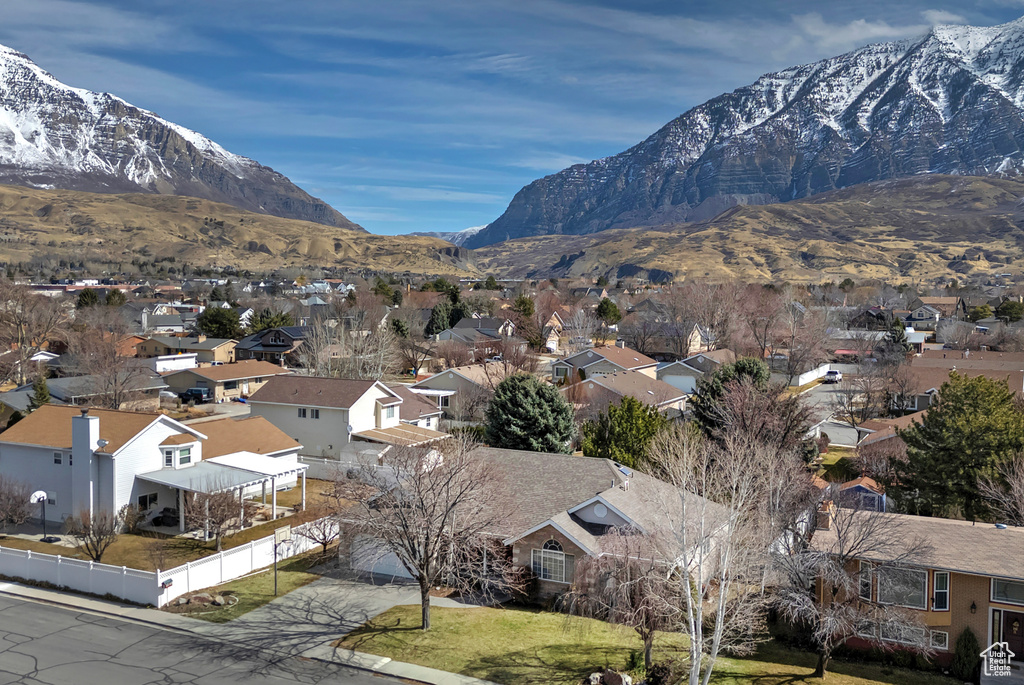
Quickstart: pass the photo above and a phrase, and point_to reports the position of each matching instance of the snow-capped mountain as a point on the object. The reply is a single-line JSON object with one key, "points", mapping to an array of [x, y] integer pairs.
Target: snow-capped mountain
{"points": [[950, 102], [56, 136], [454, 237]]}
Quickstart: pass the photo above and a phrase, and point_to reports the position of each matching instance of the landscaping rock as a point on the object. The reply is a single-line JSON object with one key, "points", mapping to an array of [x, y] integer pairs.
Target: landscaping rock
{"points": [[219, 601], [201, 598], [182, 600], [595, 679], [610, 677]]}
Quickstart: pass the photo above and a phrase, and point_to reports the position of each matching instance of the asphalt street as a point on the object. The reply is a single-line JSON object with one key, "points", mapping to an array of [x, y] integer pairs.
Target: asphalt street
{"points": [[46, 644], [822, 399]]}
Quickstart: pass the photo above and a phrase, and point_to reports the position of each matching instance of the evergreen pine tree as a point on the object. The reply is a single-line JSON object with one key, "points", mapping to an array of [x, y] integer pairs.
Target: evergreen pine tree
{"points": [[527, 414], [40, 394]]}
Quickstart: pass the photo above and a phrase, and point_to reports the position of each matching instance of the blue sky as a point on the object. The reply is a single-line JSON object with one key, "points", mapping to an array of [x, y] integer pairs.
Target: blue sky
{"points": [[409, 115]]}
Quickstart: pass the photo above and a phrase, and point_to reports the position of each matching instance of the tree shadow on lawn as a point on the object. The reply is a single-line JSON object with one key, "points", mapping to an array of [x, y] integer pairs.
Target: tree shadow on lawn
{"points": [[554, 664]]}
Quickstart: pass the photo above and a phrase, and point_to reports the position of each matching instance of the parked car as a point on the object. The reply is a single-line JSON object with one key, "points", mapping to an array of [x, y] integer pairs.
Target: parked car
{"points": [[197, 395], [832, 377]]}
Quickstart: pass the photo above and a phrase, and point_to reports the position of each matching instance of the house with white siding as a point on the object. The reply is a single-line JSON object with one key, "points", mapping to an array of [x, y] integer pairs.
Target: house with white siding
{"points": [[325, 414], [98, 460]]}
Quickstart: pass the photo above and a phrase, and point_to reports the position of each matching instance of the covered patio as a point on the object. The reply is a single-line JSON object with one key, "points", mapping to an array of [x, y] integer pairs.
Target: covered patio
{"points": [[240, 472]]}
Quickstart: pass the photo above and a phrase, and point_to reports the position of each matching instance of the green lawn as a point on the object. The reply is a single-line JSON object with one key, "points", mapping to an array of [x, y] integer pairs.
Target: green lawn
{"points": [[517, 647], [837, 465], [258, 589]]}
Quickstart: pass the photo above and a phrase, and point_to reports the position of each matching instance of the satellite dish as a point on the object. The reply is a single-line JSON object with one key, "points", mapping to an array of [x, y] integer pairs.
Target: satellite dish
{"points": [[350, 428], [37, 497]]}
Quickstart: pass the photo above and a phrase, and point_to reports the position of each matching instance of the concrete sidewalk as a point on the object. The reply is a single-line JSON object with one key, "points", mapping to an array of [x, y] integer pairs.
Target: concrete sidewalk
{"points": [[304, 623]]}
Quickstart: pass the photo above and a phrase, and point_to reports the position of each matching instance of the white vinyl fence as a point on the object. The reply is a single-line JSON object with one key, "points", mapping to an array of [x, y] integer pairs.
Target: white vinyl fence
{"points": [[148, 587], [133, 585]]}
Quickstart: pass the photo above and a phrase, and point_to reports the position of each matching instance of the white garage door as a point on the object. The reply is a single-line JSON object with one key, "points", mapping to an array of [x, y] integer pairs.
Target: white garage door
{"points": [[368, 557]]}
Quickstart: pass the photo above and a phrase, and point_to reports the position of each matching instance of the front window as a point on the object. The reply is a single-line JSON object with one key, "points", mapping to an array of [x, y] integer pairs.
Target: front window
{"points": [[58, 458], [552, 563], [184, 456], [939, 639], [231, 385], [1008, 592], [561, 372], [903, 587], [865, 581], [302, 412], [168, 458], [147, 502], [389, 412], [314, 413], [940, 594], [444, 401], [900, 632]]}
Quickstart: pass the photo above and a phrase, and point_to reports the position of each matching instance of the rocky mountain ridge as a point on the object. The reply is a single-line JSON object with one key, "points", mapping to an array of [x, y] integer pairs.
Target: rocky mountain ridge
{"points": [[56, 136], [951, 102]]}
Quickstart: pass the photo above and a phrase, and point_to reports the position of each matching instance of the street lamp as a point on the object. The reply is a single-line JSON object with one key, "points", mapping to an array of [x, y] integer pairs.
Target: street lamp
{"points": [[39, 497]]}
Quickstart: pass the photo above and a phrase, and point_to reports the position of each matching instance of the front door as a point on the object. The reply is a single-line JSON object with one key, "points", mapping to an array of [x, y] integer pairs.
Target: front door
{"points": [[1013, 633]]}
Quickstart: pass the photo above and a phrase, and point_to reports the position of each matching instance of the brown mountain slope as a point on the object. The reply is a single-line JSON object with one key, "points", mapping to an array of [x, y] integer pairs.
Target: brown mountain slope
{"points": [[911, 228], [111, 229]]}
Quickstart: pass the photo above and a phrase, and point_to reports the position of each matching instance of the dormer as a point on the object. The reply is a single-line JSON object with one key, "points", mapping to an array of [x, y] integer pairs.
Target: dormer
{"points": [[180, 451]]}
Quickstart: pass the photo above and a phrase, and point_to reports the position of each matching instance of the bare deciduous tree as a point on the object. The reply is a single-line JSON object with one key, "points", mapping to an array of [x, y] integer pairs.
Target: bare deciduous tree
{"points": [[94, 534], [217, 513], [334, 350], [28, 322], [640, 331], [630, 585], [1005, 492], [437, 511], [876, 458], [857, 399], [581, 327], [956, 334], [107, 369], [452, 353], [15, 508], [824, 585]]}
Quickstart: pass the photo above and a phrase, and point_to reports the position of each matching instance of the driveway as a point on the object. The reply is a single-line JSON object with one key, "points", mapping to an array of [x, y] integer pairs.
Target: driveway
{"points": [[822, 399]]}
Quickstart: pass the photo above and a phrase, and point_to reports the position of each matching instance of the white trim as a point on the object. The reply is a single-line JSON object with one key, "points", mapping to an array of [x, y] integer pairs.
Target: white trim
{"points": [[173, 424], [931, 640], [927, 585], [602, 500], [992, 592], [947, 591], [557, 527]]}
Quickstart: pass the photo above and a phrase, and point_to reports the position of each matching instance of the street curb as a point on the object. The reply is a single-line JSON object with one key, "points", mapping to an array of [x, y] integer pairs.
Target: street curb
{"points": [[381, 666]]}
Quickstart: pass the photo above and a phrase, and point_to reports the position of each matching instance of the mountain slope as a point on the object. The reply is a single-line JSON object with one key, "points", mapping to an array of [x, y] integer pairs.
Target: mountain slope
{"points": [[107, 230], [926, 228], [951, 102], [453, 237], [55, 136]]}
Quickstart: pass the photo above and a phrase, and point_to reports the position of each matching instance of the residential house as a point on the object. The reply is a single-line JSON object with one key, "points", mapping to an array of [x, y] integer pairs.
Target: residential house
{"points": [[163, 323], [686, 373], [138, 386], [932, 368], [874, 431], [95, 460], [949, 307], [970, 575], [566, 509], [325, 414], [924, 318], [207, 350], [492, 326], [596, 393], [862, 493], [277, 345], [225, 381], [462, 392], [416, 409], [603, 360]]}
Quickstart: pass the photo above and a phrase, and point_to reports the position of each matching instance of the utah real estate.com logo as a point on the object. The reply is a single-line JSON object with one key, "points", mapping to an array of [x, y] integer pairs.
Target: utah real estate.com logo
{"points": [[996, 659]]}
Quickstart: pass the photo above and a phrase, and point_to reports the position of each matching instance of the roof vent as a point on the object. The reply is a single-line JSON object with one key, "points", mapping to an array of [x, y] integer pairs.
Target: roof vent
{"points": [[85, 412]]}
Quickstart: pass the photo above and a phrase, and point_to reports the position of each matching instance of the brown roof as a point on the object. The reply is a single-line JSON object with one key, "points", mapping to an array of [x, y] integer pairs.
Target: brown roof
{"points": [[961, 546], [252, 434], [639, 386], [624, 357], [414, 405], [179, 439], [969, 355], [884, 429], [863, 481], [50, 426], [925, 378], [236, 371], [338, 393]]}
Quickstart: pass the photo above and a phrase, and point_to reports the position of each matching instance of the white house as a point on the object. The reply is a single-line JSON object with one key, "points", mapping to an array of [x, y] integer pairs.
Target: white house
{"points": [[95, 460], [326, 413]]}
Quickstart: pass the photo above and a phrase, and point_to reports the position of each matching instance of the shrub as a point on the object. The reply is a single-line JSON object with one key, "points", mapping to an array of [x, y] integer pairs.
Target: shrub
{"points": [[659, 674], [133, 517], [966, 655], [635, 663]]}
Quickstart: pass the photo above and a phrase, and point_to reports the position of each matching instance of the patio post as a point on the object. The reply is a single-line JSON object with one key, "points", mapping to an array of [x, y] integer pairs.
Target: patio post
{"points": [[303, 489], [273, 496], [264, 484], [206, 519], [181, 510]]}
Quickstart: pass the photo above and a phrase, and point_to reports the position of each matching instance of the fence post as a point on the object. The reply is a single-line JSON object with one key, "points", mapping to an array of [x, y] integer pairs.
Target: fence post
{"points": [[59, 560], [28, 563], [90, 574], [252, 556], [124, 576], [220, 563], [188, 576]]}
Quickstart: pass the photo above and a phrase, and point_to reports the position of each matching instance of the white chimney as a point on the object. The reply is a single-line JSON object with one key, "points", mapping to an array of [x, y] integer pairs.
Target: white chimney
{"points": [[85, 438]]}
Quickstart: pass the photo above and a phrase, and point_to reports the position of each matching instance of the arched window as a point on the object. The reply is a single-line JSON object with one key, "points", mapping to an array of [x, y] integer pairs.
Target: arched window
{"points": [[552, 563]]}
